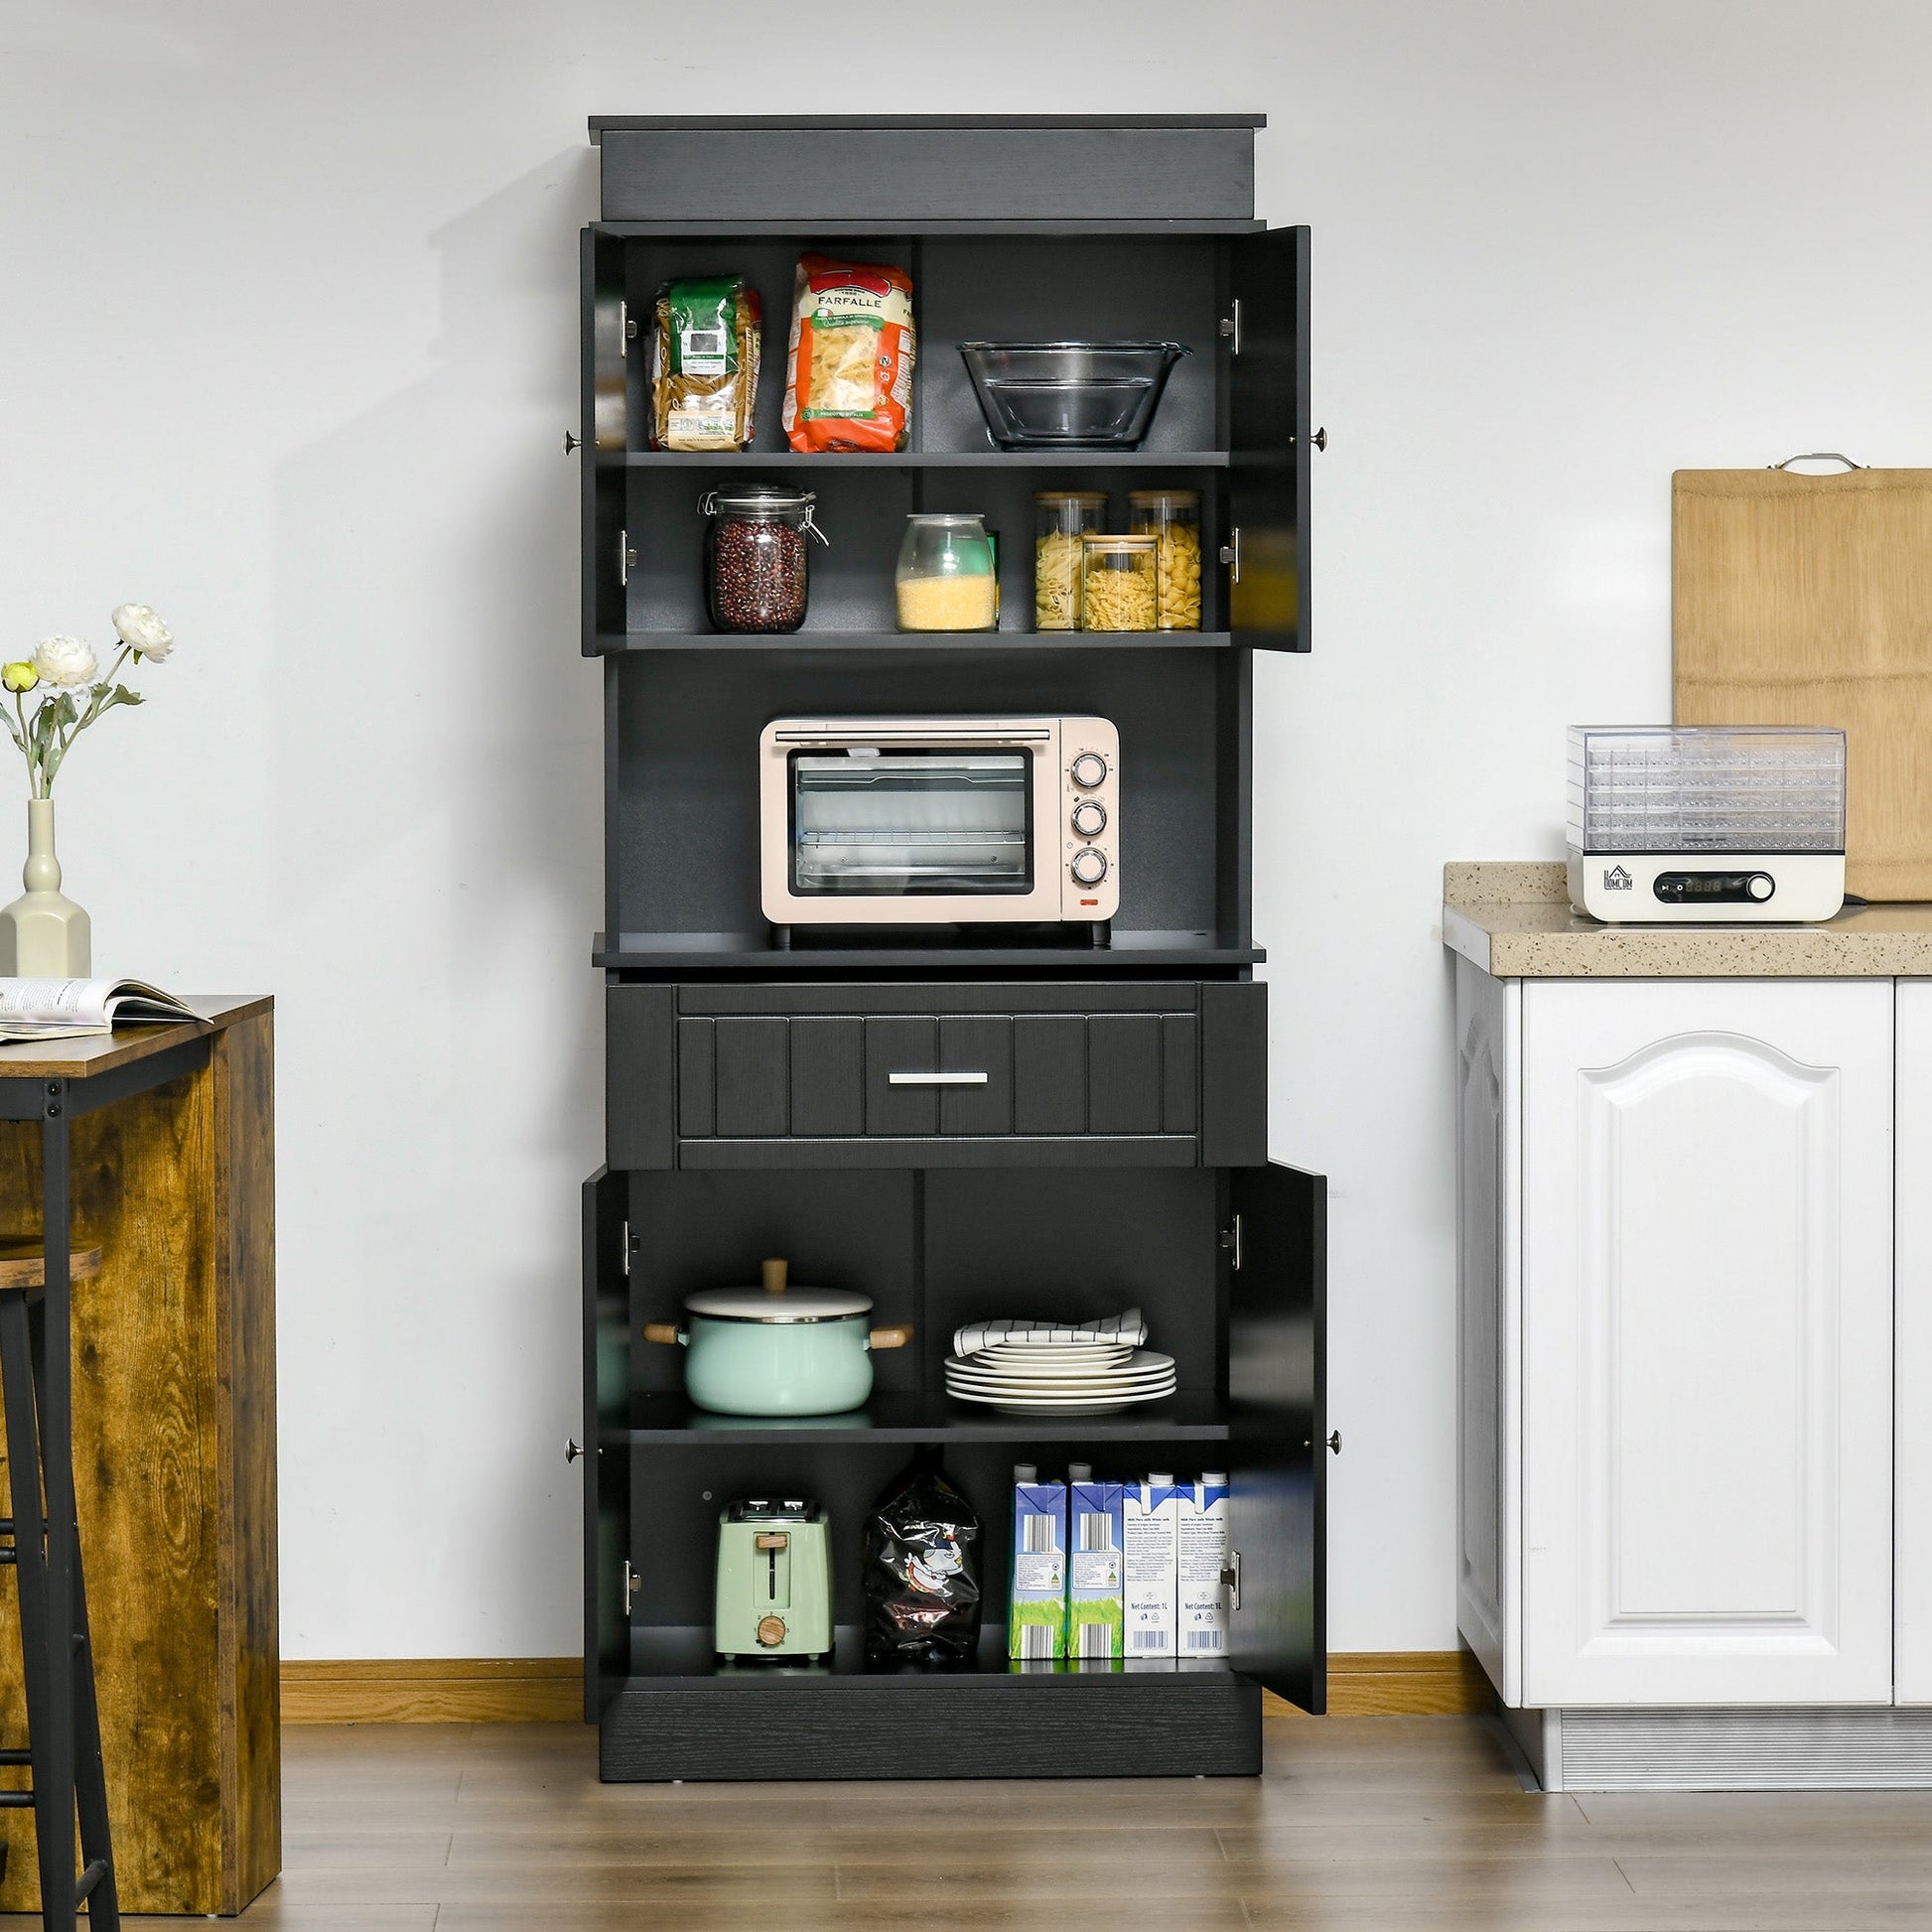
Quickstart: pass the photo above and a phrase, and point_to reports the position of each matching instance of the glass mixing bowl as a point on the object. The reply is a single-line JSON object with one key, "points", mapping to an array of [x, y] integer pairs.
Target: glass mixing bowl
{"points": [[1069, 396]]}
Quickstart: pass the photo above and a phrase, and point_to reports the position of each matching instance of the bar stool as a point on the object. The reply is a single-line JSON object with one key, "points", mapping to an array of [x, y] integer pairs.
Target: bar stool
{"points": [[63, 1751]]}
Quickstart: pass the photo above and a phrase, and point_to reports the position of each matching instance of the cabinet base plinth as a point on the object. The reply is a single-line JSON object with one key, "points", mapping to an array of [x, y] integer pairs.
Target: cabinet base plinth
{"points": [[1730, 1748], [966, 1726]]}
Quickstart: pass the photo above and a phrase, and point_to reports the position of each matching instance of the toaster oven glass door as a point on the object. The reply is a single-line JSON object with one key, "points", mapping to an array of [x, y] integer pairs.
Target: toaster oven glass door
{"points": [[904, 823]]}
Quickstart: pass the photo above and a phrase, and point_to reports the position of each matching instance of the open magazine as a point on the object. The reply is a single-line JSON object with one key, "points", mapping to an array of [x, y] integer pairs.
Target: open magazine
{"points": [[70, 1009]]}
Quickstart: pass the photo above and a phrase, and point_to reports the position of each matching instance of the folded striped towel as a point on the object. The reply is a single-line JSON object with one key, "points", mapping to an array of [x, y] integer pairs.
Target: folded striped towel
{"points": [[1127, 1329]]}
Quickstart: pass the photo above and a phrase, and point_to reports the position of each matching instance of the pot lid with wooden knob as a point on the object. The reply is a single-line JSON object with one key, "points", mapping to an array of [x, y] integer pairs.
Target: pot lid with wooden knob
{"points": [[776, 1301]]}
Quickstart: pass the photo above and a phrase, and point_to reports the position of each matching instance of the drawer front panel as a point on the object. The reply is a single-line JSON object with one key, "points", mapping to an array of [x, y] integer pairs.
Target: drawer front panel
{"points": [[828, 1076], [907, 1048], [1178, 1078]]}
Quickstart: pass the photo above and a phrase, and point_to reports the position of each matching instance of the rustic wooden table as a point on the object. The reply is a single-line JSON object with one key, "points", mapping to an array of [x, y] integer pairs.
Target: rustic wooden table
{"points": [[166, 1138]]}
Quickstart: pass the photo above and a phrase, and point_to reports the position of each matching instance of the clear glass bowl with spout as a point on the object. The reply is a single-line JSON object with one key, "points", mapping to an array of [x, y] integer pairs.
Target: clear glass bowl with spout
{"points": [[1070, 395]]}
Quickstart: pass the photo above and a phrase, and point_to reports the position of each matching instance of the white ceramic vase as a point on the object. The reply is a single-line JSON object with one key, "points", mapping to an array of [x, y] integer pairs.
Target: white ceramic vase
{"points": [[43, 934]]}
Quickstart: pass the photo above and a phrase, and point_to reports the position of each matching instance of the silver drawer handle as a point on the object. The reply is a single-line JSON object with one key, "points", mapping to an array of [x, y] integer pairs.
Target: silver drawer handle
{"points": [[935, 1079]]}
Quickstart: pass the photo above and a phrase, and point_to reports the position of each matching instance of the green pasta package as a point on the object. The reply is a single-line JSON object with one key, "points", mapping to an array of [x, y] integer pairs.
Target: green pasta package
{"points": [[706, 344]]}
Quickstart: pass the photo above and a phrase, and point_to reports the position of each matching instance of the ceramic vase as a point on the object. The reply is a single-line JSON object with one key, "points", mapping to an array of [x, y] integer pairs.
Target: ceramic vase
{"points": [[43, 934]]}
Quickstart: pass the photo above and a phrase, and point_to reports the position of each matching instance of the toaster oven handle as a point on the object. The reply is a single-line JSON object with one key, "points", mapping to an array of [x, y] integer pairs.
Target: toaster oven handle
{"points": [[935, 1079], [936, 737]]}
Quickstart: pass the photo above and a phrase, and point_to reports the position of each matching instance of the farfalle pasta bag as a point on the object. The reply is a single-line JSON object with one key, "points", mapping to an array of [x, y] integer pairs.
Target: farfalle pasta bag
{"points": [[849, 369]]}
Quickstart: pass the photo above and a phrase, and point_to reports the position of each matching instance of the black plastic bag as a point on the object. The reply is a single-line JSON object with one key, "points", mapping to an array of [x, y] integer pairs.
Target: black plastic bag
{"points": [[921, 1569]]}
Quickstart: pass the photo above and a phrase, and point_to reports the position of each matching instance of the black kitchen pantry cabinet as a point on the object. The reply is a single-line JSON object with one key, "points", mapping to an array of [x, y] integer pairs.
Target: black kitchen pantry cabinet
{"points": [[1115, 1150]]}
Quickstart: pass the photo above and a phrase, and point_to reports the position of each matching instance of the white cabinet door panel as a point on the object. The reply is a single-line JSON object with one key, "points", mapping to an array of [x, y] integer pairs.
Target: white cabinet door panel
{"points": [[1707, 1341], [1912, 1632], [1488, 1502]]}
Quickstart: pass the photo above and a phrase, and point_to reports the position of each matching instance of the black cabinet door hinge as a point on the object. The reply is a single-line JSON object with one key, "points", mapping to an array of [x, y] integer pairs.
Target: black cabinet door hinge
{"points": [[1231, 1242]]}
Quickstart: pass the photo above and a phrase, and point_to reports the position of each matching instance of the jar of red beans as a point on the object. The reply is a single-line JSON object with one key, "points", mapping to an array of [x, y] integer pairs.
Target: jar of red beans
{"points": [[754, 556]]}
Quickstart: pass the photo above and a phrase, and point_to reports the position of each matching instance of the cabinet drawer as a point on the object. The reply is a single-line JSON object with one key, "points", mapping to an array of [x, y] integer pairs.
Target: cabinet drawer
{"points": [[1156, 1074]]}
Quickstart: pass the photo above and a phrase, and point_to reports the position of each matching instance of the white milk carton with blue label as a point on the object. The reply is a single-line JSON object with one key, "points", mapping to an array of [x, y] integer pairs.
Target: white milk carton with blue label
{"points": [[1037, 1603], [1202, 1598], [1150, 1543], [1095, 1567]]}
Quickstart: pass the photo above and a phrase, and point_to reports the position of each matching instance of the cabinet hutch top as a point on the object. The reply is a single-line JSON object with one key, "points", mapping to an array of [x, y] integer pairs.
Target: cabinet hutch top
{"points": [[938, 173]]}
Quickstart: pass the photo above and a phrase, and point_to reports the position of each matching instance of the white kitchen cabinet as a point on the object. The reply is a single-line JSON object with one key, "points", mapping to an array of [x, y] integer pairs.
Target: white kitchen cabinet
{"points": [[1912, 1614], [1677, 1348]]}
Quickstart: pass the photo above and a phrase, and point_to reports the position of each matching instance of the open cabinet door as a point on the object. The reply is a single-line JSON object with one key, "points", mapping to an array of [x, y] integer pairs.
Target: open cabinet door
{"points": [[1269, 445], [607, 1474], [1277, 1502]]}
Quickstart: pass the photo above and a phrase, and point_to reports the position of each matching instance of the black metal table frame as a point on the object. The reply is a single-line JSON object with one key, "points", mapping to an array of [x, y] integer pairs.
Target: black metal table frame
{"points": [[36, 1368]]}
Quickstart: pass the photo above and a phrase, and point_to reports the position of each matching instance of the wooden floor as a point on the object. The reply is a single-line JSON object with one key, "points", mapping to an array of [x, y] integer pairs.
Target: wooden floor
{"points": [[1370, 1824]]}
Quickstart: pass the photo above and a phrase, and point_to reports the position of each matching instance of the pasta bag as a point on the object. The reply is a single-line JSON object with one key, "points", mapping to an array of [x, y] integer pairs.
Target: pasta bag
{"points": [[704, 364], [849, 369]]}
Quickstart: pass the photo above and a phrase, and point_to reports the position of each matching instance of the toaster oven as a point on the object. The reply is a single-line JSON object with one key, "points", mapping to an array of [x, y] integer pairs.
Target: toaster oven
{"points": [[901, 821]]}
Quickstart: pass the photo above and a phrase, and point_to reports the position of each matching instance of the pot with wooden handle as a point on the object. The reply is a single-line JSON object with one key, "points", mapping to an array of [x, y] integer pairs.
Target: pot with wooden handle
{"points": [[777, 1350]]}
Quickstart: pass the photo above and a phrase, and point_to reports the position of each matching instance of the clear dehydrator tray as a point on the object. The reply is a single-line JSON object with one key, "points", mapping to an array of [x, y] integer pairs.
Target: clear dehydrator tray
{"points": [[1706, 788]]}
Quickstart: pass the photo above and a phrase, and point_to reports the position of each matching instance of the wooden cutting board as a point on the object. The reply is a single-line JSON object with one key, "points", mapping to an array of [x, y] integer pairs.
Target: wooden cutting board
{"points": [[1807, 600]]}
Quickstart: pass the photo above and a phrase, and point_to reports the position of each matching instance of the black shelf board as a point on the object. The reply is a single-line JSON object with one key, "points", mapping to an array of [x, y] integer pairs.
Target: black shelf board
{"points": [[915, 460], [922, 123], [723, 230], [751, 952], [681, 1654], [658, 1420], [615, 642]]}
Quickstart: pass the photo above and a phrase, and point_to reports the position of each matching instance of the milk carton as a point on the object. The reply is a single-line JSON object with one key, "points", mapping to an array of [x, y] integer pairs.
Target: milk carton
{"points": [[1096, 1568], [1036, 1606], [1204, 1539], [1149, 1542]]}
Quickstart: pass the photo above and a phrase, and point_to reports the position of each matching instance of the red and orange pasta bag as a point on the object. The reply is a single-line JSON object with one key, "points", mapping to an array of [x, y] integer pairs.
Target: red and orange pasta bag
{"points": [[849, 369]]}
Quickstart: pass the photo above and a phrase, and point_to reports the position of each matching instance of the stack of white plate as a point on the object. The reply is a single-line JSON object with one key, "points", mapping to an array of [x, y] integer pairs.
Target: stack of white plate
{"points": [[1062, 1378]]}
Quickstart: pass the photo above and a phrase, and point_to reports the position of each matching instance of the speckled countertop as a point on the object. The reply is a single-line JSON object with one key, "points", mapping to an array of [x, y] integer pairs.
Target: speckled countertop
{"points": [[1513, 919]]}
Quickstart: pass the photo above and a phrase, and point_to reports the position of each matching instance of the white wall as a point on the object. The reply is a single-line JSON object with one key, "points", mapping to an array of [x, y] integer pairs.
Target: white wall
{"points": [[289, 340]]}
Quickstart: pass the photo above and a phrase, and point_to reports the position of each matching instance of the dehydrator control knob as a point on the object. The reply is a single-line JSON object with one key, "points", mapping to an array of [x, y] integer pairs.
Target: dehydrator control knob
{"points": [[1089, 818], [1759, 887], [1089, 769], [1089, 866]]}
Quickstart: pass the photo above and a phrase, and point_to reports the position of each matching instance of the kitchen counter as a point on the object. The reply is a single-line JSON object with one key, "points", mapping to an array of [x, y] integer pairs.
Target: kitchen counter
{"points": [[1513, 919]]}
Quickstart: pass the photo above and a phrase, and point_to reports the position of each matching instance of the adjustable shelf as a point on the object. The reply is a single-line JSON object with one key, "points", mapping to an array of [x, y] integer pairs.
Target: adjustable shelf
{"points": [[664, 1420], [695, 954], [913, 460], [611, 642]]}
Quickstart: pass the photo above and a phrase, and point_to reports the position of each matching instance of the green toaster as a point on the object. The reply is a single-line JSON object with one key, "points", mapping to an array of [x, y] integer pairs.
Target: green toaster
{"points": [[774, 1580]]}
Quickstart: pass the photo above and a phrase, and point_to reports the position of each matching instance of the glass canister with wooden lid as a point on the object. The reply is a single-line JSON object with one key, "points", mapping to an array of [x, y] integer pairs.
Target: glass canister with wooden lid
{"points": [[1117, 583], [1172, 516], [1061, 518]]}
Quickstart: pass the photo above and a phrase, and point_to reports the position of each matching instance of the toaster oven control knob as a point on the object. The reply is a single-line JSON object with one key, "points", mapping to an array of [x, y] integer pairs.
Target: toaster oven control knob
{"points": [[1089, 818], [1089, 769], [1089, 866]]}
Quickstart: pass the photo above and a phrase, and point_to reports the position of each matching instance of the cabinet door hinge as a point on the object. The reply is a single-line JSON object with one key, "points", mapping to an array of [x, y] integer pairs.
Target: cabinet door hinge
{"points": [[625, 558], [1231, 1580], [1231, 1241], [627, 329], [1231, 328], [630, 1586], [1231, 553], [626, 1250]]}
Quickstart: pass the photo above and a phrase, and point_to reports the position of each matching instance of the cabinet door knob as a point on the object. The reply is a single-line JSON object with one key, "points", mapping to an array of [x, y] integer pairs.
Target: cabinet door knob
{"points": [[570, 441], [1335, 1441], [571, 1452]]}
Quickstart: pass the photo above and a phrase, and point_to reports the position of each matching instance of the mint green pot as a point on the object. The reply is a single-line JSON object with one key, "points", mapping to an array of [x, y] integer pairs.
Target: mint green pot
{"points": [[777, 1353]]}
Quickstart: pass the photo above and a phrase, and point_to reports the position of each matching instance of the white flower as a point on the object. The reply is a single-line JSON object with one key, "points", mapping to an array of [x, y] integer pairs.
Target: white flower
{"points": [[138, 625], [68, 662]]}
